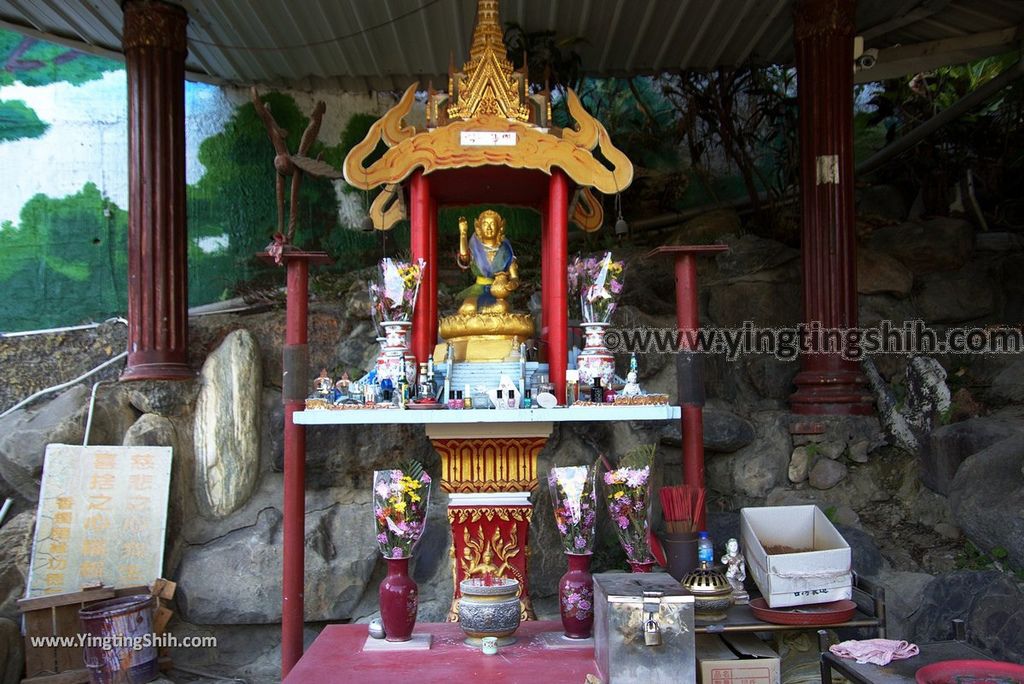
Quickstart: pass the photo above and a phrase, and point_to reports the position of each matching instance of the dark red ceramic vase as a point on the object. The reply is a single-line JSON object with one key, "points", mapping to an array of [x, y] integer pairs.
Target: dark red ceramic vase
{"points": [[635, 566], [576, 597], [399, 599]]}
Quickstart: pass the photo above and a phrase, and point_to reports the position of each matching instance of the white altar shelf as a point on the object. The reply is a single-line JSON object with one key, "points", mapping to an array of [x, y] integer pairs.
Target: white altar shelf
{"points": [[450, 417]]}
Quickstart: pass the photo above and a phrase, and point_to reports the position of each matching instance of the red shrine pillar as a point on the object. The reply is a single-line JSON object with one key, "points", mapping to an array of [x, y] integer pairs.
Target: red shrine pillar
{"points": [[155, 48], [420, 245], [824, 31], [432, 320], [556, 255]]}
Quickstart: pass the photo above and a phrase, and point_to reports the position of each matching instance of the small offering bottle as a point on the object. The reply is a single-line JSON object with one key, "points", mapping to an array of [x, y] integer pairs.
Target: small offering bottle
{"points": [[596, 393], [500, 403], [609, 395], [461, 401], [527, 400], [467, 401], [453, 403]]}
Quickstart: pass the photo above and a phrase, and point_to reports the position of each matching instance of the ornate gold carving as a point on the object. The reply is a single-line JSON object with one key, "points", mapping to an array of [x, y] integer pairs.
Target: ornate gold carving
{"points": [[587, 212], [488, 85], [478, 554], [501, 464], [472, 325], [822, 17], [388, 207], [154, 24], [462, 514]]}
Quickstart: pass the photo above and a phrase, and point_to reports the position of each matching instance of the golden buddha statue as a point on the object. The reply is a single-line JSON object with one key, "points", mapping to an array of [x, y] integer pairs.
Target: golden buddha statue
{"points": [[484, 329]]}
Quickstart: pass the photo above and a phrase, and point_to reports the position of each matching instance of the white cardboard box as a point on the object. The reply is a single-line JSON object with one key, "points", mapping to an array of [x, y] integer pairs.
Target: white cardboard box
{"points": [[736, 659], [820, 575]]}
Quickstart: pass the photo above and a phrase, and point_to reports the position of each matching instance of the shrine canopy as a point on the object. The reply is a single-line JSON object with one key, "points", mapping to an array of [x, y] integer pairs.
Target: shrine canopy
{"points": [[488, 139]]}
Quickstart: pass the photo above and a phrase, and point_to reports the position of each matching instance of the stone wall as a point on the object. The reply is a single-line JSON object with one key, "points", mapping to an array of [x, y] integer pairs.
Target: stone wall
{"points": [[906, 514]]}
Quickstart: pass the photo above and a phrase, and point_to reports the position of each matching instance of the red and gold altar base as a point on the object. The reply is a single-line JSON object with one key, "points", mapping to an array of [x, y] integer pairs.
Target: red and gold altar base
{"points": [[491, 540]]}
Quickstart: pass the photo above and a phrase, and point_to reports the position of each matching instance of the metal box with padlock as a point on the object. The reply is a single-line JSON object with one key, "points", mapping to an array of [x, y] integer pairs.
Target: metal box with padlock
{"points": [[643, 629]]}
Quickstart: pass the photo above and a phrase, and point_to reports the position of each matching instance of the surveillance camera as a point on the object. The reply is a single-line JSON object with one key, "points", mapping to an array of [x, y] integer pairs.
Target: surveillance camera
{"points": [[868, 59]]}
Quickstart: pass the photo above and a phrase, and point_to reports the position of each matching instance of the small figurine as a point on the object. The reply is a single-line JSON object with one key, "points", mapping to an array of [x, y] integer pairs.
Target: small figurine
{"points": [[632, 387], [736, 571], [323, 384]]}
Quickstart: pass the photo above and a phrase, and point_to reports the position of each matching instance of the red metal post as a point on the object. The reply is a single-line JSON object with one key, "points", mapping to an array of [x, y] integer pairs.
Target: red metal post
{"points": [[432, 276], [296, 370], [419, 245], [294, 387], [155, 48], [823, 32], [557, 252], [545, 291], [688, 321]]}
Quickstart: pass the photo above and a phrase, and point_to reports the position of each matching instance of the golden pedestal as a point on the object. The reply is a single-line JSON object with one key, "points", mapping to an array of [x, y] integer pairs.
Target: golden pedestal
{"points": [[484, 337]]}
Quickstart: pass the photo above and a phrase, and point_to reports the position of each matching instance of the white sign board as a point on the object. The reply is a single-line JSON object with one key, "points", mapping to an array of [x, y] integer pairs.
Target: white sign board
{"points": [[487, 138], [102, 516]]}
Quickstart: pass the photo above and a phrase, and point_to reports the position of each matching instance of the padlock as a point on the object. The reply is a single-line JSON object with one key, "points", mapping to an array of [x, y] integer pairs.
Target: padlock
{"points": [[652, 632]]}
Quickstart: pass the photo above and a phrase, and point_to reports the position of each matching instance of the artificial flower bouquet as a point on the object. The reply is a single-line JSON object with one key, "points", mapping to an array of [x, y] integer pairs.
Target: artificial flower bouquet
{"points": [[628, 495], [400, 499], [394, 289], [597, 281], [574, 499]]}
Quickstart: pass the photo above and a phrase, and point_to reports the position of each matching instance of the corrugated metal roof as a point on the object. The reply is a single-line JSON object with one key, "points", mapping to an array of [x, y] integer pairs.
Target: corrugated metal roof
{"points": [[387, 44]]}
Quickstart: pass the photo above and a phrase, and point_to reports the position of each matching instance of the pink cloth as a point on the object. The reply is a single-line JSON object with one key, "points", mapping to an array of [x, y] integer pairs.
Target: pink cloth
{"points": [[875, 651]]}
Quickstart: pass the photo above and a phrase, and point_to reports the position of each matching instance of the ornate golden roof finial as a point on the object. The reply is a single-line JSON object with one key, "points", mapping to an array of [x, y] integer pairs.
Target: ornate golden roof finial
{"points": [[488, 84]]}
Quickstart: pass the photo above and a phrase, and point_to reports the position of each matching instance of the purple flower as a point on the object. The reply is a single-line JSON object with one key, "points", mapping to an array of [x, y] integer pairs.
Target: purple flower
{"points": [[622, 521], [584, 604], [580, 542], [397, 552], [382, 538]]}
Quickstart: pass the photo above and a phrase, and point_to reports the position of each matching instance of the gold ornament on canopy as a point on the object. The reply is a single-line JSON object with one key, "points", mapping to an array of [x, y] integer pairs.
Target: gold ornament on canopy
{"points": [[488, 96]]}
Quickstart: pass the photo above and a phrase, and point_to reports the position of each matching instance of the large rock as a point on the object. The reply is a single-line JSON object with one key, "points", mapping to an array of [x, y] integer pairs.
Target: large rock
{"points": [[938, 244], [226, 433], [152, 430], [765, 303], [1008, 385], [724, 432], [951, 444], [987, 497], [966, 295], [236, 579], [881, 200], [10, 652], [163, 397], [112, 415], [25, 433], [756, 258], [707, 228], [15, 552], [990, 602], [904, 593], [879, 273], [764, 463], [826, 473]]}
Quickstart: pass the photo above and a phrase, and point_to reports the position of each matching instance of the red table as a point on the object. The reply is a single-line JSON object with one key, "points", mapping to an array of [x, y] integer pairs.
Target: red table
{"points": [[337, 656]]}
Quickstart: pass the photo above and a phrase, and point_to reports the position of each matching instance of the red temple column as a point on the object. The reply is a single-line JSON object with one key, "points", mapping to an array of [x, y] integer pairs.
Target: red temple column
{"points": [[155, 48], [432, 319], [545, 291], [823, 32], [557, 253], [419, 245]]}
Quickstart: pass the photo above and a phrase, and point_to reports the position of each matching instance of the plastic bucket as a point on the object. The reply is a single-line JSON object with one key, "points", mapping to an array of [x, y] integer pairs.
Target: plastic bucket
{"points": [[119, 648]]}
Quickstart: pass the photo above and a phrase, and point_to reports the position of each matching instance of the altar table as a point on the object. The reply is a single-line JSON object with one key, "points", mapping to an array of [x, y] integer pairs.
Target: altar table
{"points": [[337, 656]]}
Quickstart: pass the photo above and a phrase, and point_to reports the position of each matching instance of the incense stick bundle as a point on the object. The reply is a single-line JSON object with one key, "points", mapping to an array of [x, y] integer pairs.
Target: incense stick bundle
{"points": [[681, 507]]}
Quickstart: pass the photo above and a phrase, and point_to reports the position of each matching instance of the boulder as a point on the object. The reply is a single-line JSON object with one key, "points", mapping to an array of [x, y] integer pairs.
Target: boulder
{"points": [[799, 464], [724, 432], [707, 228], [15, 552], [991, 604], [965, 295], [757, 258], [10, 652], [858, 451], [112, 415], [767, 304], [25, 433], [162, 397], [826, 473], [879, 273], [950, 445], [236, 579], [987, 496], [904, 592], [938, 244], [226, 433], [1008, 385], [881, 200], [152, 430], [764, 463]]}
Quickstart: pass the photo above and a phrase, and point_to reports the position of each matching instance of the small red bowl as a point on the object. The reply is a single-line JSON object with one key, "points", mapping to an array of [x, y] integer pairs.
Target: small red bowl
{"points": [[973, 671]]}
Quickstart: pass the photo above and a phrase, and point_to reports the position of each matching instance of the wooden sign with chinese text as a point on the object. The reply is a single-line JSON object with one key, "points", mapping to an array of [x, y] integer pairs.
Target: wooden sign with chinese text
{"points": [[101, 519]]}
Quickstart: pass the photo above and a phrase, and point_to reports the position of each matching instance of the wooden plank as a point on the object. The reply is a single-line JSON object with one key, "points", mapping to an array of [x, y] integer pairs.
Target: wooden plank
{"points": [[160, 620], [70, 677], [37, 658], [69, 658], [84, 596], [164, 588]]}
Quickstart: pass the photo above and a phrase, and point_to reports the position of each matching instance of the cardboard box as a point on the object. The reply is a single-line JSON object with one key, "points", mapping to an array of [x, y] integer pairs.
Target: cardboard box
{"points": [[819, 575], [736, 659]]}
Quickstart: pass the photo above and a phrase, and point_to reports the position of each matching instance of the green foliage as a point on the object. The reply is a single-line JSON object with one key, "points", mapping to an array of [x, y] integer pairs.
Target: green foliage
{"points": [[37, 62], [60, 249], [639, 457], [18, 121], [970, 557], [236, 195]]}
